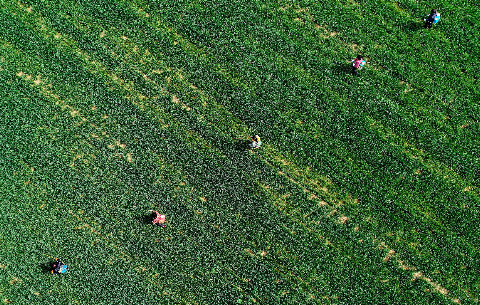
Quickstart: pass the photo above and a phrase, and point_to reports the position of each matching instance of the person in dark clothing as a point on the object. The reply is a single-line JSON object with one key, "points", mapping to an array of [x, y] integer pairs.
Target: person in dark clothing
{"points": [[432, 19], [256, 142], [58, 267]]}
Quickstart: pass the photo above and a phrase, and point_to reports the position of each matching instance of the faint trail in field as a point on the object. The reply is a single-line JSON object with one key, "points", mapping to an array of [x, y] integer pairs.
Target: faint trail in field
{"points": [[100, 134], [411, 151], [281, 269], [95, 66], [46, 90], [207, 102], [296, 177], [133, 51], [303, 16]]}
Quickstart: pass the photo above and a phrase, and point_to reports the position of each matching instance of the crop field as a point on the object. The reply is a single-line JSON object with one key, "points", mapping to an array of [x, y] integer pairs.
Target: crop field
{"points": [[366, 189]]}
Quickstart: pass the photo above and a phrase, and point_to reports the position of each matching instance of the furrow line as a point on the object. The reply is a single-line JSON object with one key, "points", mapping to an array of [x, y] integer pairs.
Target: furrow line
{"points": [[376, 243]]}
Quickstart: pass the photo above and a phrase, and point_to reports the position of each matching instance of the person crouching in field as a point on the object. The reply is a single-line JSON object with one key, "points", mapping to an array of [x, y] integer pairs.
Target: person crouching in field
{"points": [[158, 219], [58, 267], [358, 63], [432, 19], [256, 142]]}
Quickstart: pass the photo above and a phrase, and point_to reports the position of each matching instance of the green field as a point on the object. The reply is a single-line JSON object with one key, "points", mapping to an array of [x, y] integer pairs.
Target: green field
{"points": [[365, 191]]}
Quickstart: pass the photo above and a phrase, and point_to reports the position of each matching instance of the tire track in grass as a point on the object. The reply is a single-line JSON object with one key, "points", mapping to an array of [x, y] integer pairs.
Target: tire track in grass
{"points": [[205, 102], [100, 134], [280, 202], [177, 72], [95, 66], [259, 250], [92, 64], [44, 86], [318, 191], [130, 49], [185, 44], [65, 104], [127, 47], [411, 151]]}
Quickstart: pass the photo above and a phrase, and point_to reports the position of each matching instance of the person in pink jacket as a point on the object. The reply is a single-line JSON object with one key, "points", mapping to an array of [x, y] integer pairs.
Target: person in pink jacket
{"points": [[158, 219], [358, 63]]}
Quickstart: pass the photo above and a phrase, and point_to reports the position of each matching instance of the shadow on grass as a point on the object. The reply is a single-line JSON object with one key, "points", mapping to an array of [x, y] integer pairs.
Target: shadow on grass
{"points": [[412, 26], [341, 68], [45, 267], [239, 145], [147, 219]]}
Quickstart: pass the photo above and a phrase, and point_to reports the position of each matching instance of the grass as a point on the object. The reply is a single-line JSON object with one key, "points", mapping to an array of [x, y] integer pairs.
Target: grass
{"points": [[365, 190]]}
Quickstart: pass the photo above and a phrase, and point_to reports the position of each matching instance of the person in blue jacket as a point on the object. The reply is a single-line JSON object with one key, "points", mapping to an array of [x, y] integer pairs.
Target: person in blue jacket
{"points": [[58, 267], [432, 19]]}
